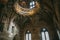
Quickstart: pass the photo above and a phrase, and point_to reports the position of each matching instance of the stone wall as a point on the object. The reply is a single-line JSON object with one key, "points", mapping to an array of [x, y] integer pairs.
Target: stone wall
{"points": [[36, 30]]}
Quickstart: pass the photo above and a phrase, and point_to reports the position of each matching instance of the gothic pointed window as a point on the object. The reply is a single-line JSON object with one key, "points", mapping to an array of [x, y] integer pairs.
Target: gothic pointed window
{"points": [[28, 35], [44, 34]]}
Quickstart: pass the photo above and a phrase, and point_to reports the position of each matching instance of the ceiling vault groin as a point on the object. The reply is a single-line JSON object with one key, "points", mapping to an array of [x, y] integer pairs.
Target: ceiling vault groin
{"points": [[46, 13]]}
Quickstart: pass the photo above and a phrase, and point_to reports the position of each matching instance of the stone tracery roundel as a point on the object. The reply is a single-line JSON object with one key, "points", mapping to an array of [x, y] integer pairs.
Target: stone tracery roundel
{"points": [[26, 11]]}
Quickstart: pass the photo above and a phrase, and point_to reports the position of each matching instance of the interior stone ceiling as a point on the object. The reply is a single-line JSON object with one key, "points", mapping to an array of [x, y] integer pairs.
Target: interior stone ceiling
{"points": [[46, 13]]}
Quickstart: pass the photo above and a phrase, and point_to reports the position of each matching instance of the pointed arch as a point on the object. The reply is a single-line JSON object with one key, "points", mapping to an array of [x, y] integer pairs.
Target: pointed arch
{"points": [[28, 35], [44, 34]]}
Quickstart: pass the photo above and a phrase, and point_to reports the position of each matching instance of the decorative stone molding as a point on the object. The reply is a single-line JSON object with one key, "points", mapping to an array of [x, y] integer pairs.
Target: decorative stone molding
{"points": [[26, 11]]}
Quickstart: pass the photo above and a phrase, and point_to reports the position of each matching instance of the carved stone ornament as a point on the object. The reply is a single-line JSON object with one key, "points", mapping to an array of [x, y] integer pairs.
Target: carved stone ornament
{"points": [[26, 11]]}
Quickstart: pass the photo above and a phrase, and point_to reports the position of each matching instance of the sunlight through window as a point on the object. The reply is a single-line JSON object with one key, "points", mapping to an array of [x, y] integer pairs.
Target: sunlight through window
{"points": [[32, 4], [47, 35], [44, 34], [28, 35]]}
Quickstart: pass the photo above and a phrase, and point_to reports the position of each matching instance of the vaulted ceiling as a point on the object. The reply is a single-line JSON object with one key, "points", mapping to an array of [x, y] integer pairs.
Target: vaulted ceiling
{"points": [[47, 13]]}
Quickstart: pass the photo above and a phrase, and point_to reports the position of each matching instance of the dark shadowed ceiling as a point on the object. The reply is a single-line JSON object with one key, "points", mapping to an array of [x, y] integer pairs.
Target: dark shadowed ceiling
{"points": [[46, 13]]}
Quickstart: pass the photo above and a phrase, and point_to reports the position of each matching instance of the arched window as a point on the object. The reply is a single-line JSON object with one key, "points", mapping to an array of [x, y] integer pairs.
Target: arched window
{"points": [[28, 35], [58, 32], [44, 34], [32, 4]]}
